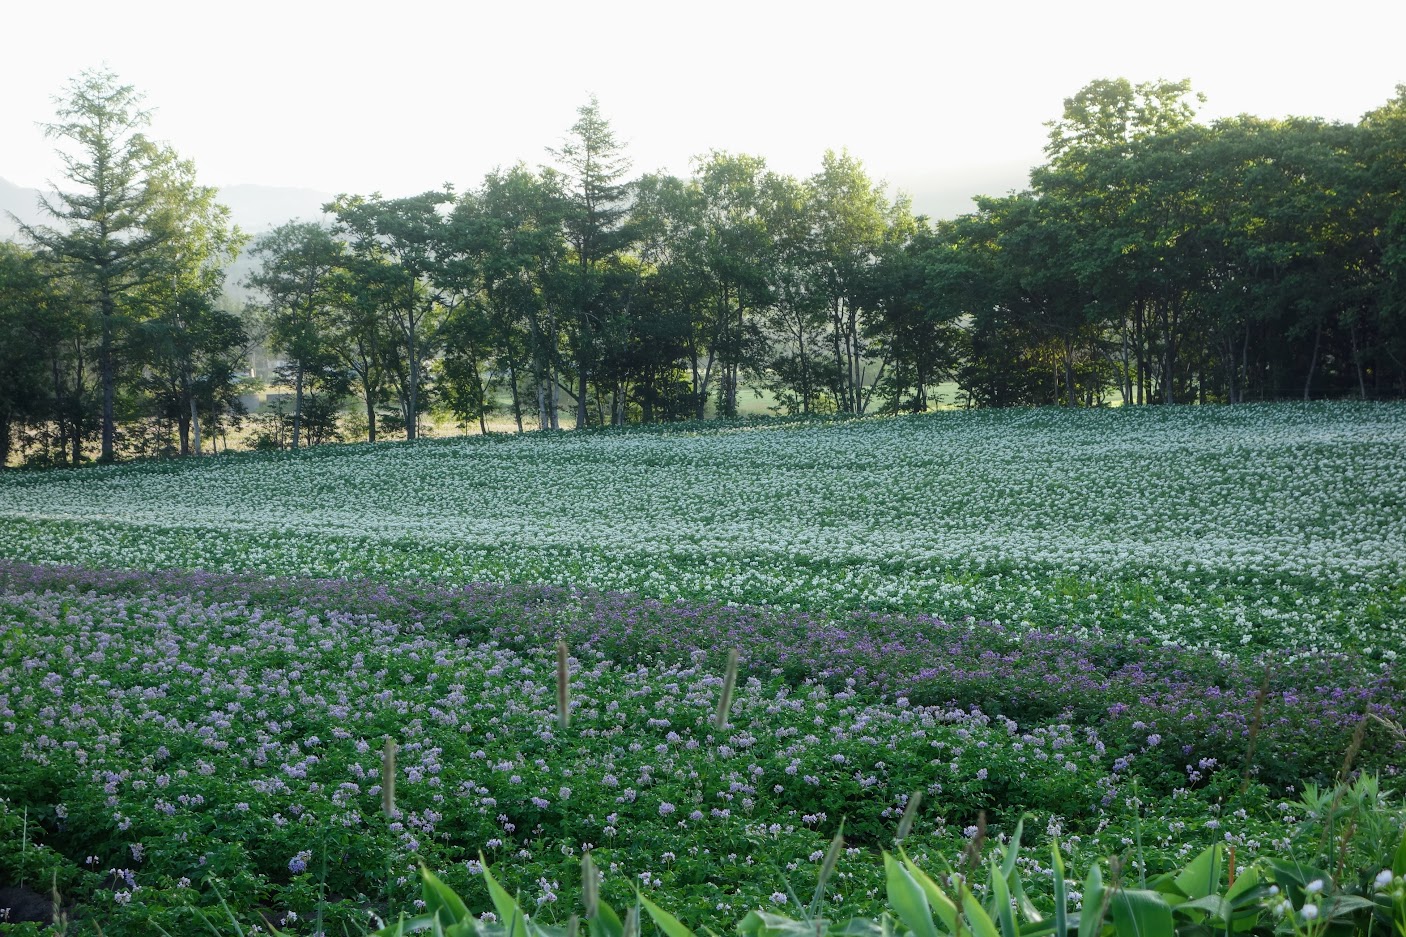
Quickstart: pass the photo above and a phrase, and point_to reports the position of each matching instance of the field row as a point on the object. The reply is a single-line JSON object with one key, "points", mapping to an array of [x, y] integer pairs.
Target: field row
{"points": [[177, 727], [1248, 527]]}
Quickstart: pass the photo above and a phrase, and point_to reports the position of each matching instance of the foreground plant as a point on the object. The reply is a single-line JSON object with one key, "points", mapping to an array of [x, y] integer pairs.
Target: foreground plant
{"points": [[1204, 897]]}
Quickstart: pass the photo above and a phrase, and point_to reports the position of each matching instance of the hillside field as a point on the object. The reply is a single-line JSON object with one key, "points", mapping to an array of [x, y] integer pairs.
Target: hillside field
{"points": [[1151, 625]]}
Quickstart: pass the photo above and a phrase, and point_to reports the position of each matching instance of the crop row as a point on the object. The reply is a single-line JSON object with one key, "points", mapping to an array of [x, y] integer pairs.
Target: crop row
{"points": [[1247, 527], [182, 727]]}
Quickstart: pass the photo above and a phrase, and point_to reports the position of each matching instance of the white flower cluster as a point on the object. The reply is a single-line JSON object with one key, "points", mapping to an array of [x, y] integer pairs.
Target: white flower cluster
{"points": [[1110, 518]]}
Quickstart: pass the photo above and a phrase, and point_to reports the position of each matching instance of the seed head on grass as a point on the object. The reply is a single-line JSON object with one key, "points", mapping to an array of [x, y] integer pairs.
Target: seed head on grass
{"points": [[729, 684], [563, 688], [910, 813], [827, 869], [590, 886], [388, 777]]}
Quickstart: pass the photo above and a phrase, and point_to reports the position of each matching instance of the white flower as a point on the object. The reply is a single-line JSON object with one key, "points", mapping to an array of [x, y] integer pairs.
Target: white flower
{"points": [[1309, 912], [1383, 879], [1314, 887]]}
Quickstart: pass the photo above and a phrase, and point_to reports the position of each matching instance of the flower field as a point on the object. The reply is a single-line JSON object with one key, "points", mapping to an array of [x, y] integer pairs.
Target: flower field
{"points": [[1144, 632], [1253, 526]]}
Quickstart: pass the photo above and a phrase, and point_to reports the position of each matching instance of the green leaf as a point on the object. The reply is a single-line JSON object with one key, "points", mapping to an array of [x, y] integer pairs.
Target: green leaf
{"points": [[1342, 905], [766, 924], [1001, 896], [1012, 850], [1138, 912], [907, 899], [944, 907], [605, 922], [1244, 882], [980, 921], [859, 927], [440, 897], [508, 909], [406, 925], [1213, 906], [1398, 864], [1023, 904], [1061, 893], [665, 921], [1094, 907], [1201, 876], [827, 868]]}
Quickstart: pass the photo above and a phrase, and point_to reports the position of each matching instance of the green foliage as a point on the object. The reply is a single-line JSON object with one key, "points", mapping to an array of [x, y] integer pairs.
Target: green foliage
{"points": [[1203, 897]]}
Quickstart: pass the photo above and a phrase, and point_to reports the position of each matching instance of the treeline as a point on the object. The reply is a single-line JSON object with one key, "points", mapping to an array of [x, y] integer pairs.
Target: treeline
{"points": [[113, 329], [1153, 259]]}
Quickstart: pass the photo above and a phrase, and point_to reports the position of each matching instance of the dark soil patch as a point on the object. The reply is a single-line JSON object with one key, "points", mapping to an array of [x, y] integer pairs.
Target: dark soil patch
{"points": [[19, 904]]}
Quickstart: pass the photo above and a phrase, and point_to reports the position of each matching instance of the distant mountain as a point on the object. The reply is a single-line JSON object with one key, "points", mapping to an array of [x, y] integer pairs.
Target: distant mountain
{"points": [[258, 208], [255, 208], [22, 202], [947, 195]]}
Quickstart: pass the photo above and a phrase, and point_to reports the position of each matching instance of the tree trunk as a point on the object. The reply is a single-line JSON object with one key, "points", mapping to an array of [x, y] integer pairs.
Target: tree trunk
{"points": [[517, 399], [1312, 362], [1357, 363], [109, 379], [554, 413], [1069, 373], [412, 414], [194, 425], [298, 405], [59, 406], [581, 383], [841, 366], [1139, 348], [370, 417], [805, 366]]}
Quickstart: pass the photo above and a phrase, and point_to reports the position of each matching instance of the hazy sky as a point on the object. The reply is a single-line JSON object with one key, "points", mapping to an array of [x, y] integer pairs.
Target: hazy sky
{"points": [[940, 98]]}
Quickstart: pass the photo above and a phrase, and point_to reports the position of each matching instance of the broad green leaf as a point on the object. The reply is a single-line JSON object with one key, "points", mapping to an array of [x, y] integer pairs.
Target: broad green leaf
{"points": [[1246, 880], [980, 922], [508, 909], [1214, 906], [1001, 897], [1138, 912], [1012, 850], [665, 921], [907, 899], [1023, 904], [942, 905], [1061, 892], [405, 925], [859, 927], [1342, 905], [1094, 906], [439, 897], [605, 923], [766, 924], [1201, 876]]}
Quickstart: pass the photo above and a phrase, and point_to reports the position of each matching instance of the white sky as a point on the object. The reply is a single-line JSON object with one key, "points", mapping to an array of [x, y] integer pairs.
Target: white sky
{"points": [[933, 95]]}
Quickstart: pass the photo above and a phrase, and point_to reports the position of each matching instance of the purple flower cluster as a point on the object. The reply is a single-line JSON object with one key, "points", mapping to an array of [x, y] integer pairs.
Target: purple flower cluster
{"points": [[1186, 704]]}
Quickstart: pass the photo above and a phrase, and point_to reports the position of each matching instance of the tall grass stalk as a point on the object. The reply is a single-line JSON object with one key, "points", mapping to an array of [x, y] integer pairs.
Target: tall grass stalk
{"points": [[729, 684], [590, 886], [1256, 724], [563, 688], [910, 813], [388, 778], [827, 869]]}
